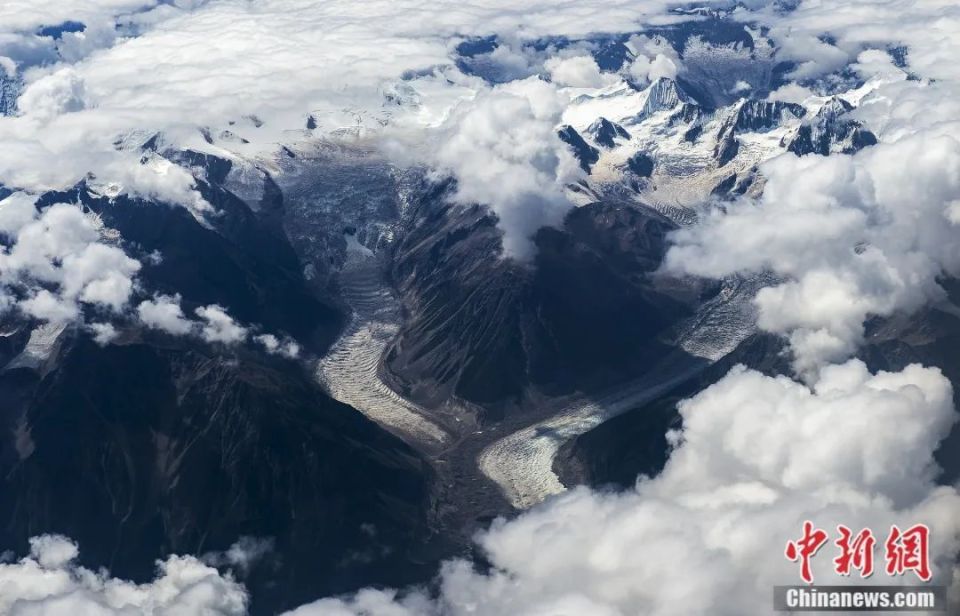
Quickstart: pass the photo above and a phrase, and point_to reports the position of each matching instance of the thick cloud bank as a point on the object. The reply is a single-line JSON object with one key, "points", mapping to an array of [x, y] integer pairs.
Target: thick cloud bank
{"points": [[256, 70], [853, 236]]}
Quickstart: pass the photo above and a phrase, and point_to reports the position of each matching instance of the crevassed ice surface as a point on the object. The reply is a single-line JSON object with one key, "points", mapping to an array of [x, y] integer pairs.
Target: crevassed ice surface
{"points": [[349, 370], [522, 462]]}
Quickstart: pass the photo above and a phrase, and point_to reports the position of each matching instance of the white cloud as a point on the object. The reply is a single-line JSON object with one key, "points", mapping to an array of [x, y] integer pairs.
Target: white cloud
{"points": [[242, 556], [928, 29], [270, 342], [791, 93], [504, 151], [273, 345], [875, 62], [29, 15], [164, 313], [577, 71], [654, 58], [359, 50], [53, 551], [75, 46], [378, 602], [50, 583], [510, 60], [75, 111], [16, 211], [662, 67], [53, 95], [59, 231], [46, 306], [57, 260], [101, 275], [814, 57], [103, 333], [219, 326], [639, 69]]}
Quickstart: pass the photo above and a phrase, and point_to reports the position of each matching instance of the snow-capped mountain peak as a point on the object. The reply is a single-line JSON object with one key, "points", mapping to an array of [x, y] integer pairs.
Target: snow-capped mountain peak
{"points": [[660, 146]]}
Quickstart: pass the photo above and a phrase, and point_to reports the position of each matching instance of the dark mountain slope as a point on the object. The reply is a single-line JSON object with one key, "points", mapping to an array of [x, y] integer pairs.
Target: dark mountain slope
{"points": [[587, 312], [142, 449], [240, 260]]}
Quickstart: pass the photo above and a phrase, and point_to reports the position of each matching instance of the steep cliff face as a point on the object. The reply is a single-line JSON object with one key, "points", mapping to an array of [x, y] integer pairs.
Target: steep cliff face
{"points": [[144, 448]]}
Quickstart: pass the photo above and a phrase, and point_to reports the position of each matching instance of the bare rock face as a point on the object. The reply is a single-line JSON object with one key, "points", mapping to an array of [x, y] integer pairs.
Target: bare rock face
{"points": [[9, 92]]}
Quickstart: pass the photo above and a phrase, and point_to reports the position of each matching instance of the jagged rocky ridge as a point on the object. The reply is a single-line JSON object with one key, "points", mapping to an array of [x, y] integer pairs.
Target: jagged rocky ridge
{"points": [[830, 131], [660, 146]]}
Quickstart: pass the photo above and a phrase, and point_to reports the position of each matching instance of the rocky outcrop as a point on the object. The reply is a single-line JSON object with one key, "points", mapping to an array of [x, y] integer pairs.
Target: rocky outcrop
{"points": [[605, 133], [585, 153], [831, 130]]}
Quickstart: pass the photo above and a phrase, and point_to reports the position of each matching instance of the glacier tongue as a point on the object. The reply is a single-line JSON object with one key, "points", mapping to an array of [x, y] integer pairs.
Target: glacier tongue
{"points": [[349, 371], [40, 347]]}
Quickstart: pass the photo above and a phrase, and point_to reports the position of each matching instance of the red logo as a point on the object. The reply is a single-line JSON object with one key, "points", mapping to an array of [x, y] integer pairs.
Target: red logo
{"points": [[907, 550]]}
